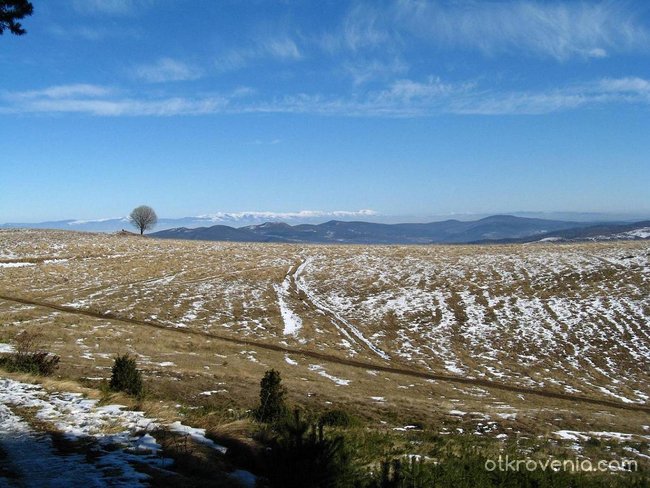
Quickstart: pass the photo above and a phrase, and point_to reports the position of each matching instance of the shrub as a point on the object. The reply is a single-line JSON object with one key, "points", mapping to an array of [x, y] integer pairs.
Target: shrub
{"points": [[41, 363], [272, 407], [126, 377], [336, 418], [30, 356]]}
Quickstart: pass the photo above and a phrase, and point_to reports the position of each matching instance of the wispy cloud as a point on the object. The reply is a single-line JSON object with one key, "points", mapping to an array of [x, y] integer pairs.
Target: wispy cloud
{"points": [[630, 84], [281, 48], [364, 27], [365, 45], [401, 98], [167, 69], [109, 7], [551, 29], [94, 32], [64, 91], [368, 70], [127, 107], [629, 90], [412, 98], [260, 142], [104, 101]]}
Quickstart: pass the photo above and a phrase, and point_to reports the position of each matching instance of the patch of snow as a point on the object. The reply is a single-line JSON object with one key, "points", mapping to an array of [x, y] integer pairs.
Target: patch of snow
{"points": [[147, 443], [573, 435], [198, 435], [212, 392], [318, 368], [15, 265], [611, 393], [292, 322], [453, 368], [33, 455], [507, 416]]}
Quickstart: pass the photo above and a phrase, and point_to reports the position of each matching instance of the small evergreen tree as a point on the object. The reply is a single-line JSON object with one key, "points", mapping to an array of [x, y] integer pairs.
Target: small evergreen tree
{"points": [[126, 377], [272, 406], [301, 456]]}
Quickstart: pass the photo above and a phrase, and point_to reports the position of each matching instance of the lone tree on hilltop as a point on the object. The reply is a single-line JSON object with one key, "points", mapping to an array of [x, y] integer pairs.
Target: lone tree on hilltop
{"points": [[10, 12], [143, 218]]}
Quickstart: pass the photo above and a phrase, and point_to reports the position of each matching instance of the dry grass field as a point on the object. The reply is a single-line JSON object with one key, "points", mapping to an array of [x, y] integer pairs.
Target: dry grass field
{"points": [[507, 341]]}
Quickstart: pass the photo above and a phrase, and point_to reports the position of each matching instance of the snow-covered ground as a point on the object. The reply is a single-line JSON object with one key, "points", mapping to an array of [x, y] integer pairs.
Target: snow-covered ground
{"points": [[121, 439], [292, 322]]}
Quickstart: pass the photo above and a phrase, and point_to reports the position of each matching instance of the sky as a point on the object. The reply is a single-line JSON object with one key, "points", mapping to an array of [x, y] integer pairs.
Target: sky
{"points": [[405, 107]]}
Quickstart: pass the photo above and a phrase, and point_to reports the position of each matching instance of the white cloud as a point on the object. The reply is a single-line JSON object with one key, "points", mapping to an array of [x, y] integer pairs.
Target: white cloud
{"points": [[364, 71], [274, 216], [130, 107], [406, 90], [597, 52], [364, 27], [281, 48], [402, 98], [631, 84], [167, 69], [102, 101], [551, 29], [63, 91], [607, 90], [271, 142], [109, 7]]}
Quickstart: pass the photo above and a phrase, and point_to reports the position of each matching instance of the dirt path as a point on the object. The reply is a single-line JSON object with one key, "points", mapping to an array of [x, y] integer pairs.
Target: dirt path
{"points": [[348, 330], [367, 365]]}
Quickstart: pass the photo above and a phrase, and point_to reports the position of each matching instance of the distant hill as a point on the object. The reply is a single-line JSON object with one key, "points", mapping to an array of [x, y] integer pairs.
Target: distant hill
{"points": [[494, 228], [213, 233], [599, 232]]}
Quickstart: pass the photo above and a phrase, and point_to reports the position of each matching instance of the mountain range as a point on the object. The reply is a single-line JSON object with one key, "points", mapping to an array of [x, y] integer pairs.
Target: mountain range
{"points": [[496, 228], [372, 230], [235, 219]]}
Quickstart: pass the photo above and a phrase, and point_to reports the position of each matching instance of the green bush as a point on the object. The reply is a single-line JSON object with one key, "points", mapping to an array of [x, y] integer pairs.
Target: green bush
{"points": [[40, 363], [126, 377]]}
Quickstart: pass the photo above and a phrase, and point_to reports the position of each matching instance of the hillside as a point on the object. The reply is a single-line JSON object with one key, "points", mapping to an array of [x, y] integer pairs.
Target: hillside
{"points": [[496, 342]]}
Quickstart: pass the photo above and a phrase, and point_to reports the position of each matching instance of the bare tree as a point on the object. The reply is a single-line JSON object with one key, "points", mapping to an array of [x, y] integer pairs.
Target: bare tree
{"points": [[143, 218]]}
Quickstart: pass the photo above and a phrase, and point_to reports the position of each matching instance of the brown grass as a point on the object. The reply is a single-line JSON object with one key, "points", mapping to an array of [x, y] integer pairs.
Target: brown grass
{"points": [[234, 282]]}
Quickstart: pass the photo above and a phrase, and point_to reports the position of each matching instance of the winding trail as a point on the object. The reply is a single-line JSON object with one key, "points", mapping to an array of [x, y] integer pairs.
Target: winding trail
{"points": [[366, 365], [353, 334]]}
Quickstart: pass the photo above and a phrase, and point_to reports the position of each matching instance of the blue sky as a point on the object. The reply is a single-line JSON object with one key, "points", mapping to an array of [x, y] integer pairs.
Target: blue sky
{"points": [[402, 107]]}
